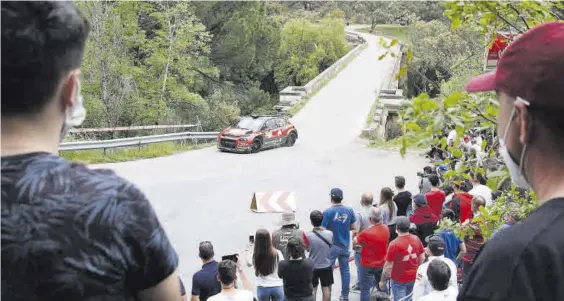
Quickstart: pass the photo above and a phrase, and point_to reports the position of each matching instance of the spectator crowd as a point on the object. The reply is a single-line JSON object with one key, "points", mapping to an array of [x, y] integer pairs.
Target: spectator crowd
{"points": [[394, 242], [74, 233]]}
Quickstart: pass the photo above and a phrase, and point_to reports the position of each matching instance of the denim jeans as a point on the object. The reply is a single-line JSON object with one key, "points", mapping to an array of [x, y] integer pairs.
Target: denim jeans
{"points": [[357, 263], [401, 290], [342, 254], [369, 278], [275, 293]]}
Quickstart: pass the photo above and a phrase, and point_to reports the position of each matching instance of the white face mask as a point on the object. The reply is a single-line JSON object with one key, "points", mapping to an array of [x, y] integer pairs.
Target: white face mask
{"points": [[75, 115], [515, 169]]}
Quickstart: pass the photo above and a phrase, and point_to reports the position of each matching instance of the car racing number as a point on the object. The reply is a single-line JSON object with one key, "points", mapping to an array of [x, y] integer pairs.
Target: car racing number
{"points": [[273, 137]]}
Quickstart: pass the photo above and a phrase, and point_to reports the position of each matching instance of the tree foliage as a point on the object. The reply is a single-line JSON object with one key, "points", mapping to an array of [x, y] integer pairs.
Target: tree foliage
{"points": [[308, 48], [179, 62], [449, 107]]}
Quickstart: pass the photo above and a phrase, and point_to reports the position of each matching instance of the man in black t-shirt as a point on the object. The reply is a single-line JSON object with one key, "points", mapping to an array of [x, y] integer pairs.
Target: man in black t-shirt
{"points": [[68, 232], [526, 262], [204, 282], [403, 197]]}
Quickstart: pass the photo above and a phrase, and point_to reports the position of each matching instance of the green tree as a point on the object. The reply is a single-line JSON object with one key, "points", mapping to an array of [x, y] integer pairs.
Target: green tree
{"points": [[426, 117], [438, 53], [175, 58], [307, 49], [109, 74], [246, 39]]}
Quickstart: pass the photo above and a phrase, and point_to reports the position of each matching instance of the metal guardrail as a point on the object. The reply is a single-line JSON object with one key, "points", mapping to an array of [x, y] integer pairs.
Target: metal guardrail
{"points": [[135, 141], [132, 128]]}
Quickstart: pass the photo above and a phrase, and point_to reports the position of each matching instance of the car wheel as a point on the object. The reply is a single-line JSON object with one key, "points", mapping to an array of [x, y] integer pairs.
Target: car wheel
{"points": [[256, 146], [291, 139]]}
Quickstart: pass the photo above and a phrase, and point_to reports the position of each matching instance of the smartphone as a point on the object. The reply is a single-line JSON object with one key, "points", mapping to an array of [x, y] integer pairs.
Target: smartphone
{"points": [[233, 257], [251, 239]]}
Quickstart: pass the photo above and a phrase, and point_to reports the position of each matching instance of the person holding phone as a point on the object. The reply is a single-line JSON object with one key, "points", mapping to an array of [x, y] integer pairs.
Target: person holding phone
{"points": [[265, 259]]}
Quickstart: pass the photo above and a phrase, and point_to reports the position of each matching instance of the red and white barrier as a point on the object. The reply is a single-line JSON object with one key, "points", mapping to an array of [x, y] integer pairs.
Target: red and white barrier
{"points": [[277, 201]]}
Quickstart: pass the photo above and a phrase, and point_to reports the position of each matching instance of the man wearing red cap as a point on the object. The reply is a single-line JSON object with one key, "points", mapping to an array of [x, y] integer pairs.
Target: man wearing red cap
{"points": [[526, 262]]}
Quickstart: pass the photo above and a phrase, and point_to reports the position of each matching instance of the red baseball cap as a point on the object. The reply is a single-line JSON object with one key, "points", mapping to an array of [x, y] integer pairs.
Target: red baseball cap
{"points": [[532, 68]]}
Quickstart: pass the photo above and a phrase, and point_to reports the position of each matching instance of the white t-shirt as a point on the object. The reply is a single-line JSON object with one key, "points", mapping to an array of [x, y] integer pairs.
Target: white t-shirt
{"points": [[451, 136], [271, 280], [447, 295], [483, 191], [240, 295], [422, 286]]}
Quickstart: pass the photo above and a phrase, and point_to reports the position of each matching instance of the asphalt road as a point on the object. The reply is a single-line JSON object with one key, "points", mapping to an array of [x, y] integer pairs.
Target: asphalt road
{"points": [[205, 194]]}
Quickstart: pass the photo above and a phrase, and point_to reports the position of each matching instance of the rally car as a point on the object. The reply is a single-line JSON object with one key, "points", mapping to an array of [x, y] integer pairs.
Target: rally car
{"points": [[254, 133]]}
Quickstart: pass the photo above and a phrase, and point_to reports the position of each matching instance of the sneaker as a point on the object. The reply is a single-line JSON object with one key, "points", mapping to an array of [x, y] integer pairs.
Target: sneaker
{"points": [[343, 298], [355, 287]]}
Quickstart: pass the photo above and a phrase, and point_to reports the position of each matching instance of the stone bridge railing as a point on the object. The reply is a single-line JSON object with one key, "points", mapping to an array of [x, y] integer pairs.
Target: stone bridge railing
{"points": [[388, 101], [292, 95]]}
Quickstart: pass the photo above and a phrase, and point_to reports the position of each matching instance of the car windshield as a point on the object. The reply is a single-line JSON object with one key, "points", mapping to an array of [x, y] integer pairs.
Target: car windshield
{"points": [[250, 124]]}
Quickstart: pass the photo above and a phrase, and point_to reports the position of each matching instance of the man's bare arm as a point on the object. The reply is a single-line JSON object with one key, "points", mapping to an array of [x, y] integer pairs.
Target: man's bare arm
{"points": [[386, 271], [166, 290], [195, 298]]}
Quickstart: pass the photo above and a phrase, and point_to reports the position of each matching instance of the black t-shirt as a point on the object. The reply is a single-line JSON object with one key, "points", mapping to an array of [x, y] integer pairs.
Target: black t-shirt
{"points": [[403, 201], [204, 282], [297, 276], [524, 262], [73, 233]]}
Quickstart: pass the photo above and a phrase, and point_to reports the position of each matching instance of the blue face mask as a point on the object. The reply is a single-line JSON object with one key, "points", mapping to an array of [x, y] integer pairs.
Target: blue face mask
{"points": [[515, 169]]}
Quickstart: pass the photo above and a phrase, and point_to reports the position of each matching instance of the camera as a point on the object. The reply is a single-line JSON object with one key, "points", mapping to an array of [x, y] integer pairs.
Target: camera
{"points": [[233, 257]]}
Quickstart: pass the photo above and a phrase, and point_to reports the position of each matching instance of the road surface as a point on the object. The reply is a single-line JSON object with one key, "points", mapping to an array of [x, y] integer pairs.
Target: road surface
{"points": [[205, 195]]}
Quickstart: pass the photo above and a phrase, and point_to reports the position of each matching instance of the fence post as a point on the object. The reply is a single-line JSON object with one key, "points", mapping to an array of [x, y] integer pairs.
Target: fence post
{"points": [[199, 127], [105, 152]]}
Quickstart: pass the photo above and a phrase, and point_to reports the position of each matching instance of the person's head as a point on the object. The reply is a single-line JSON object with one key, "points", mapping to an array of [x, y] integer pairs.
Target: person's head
{"points": [[316, 218], [477, 202], [512, 218], [375, 215], [205, 251], [419, 201], [400, 182], [386, 195], [402, 225], [227, 272], [265, 256], [296, 248], [44, 46], [366, 199], [387, 198], [447, 213], [458, 184], [528, 82], [438, 273], [436, 245], [288, 220], [434, 180], [448, 188], [427, 170], [336, 195], [376, 295], [477, 178]]}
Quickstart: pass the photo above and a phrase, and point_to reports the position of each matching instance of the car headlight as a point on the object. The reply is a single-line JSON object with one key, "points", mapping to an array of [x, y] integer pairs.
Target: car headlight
{"points": [[245, 138]]}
